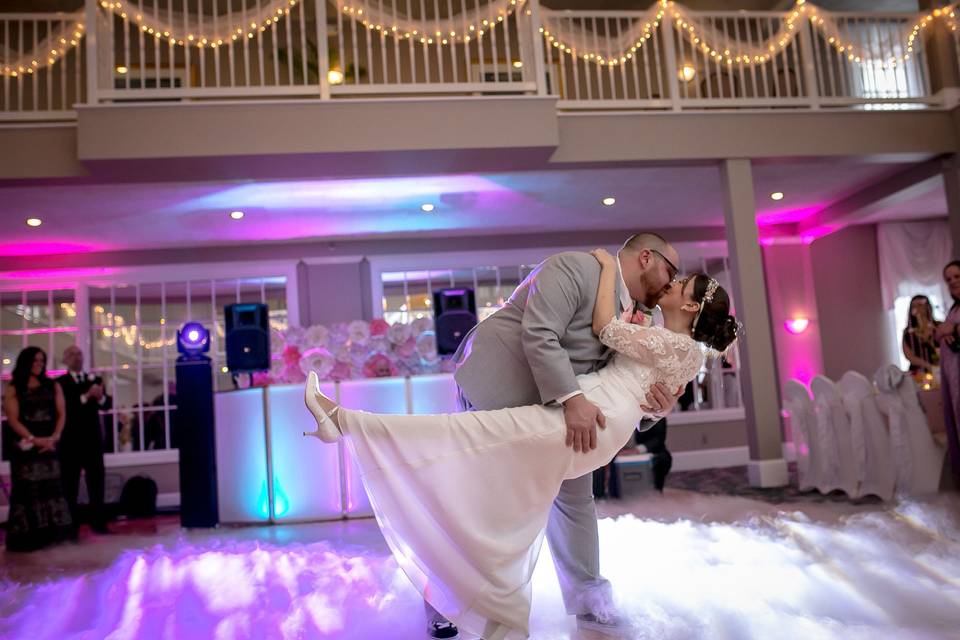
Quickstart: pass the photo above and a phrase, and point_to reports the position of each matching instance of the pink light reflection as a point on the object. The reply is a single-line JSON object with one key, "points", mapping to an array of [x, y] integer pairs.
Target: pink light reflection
{"points": [[57, 273], [48, 247], [787, 216], [797, 325]]}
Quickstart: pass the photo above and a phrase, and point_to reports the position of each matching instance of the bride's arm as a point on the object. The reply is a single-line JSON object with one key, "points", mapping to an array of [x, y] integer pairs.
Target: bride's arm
{"points": [[605, 307]]}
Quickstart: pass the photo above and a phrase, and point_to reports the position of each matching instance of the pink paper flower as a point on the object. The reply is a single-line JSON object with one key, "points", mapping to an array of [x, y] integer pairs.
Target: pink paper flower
{"points": [[379, 366], [291, 355], [379, 327], [262, 378], [341, 371], [407, 348]]}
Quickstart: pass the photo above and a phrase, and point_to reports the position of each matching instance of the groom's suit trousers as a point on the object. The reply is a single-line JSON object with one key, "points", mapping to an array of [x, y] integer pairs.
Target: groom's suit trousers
{"points": [[574, 543]]}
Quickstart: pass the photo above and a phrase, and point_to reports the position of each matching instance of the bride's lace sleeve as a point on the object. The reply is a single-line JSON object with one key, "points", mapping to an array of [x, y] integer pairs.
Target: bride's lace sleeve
{"points": [[647, 344], [673, 355]]}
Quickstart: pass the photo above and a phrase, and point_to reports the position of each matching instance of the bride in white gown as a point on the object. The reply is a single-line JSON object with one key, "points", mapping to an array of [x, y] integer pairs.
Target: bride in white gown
{"points": [[463, 499]]}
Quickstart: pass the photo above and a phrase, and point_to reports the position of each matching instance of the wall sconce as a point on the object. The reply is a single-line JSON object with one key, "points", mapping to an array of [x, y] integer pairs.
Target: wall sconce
{"points": [[796, 326]]}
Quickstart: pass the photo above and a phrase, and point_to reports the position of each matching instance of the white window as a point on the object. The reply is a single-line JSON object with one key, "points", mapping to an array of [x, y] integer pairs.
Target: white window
{"points": [[133, 332], [128, 333]]}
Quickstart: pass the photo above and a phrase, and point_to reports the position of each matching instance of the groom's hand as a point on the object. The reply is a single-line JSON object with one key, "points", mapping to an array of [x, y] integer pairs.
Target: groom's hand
{"points": [[582, 418]]}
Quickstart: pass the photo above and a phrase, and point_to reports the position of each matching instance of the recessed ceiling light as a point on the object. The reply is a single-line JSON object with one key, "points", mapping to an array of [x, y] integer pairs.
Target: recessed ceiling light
{"points": [[121, 69], [6, 361], [426, 208], [517, 64], [236, 215], [34, 222], [776, 195], [609, 201]]}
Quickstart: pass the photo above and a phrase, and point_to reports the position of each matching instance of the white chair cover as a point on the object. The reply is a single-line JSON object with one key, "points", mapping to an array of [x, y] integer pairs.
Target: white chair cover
{"points": [[803, 427], [833, 428], [875, 471], [917, 456]]}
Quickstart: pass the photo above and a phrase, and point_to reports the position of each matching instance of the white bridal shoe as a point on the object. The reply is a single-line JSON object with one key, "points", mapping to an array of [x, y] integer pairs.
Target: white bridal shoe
{"points": [[327, 429]]}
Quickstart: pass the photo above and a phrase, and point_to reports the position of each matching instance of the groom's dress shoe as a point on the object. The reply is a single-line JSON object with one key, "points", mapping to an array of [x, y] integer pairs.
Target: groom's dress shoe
{"points": [[441, 629], [613, 626]]}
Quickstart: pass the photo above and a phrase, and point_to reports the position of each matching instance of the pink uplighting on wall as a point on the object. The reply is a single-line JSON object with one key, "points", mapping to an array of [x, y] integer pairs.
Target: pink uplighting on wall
{"points": [[47, 247], [796, 326]]}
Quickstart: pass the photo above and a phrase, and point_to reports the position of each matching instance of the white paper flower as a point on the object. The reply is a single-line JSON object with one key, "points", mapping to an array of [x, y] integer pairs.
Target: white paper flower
{"points": [[317, 359], [278, 342], [398, 333], [297, 336], [427, 348], [419, 325], [358, 331], [317, 336]]}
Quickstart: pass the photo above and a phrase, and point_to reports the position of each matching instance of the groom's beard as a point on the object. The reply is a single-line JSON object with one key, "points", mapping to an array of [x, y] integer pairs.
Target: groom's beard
{"points": [[652, 294]]}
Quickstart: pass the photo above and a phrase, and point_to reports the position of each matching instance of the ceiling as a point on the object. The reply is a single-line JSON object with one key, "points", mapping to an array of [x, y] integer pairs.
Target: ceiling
{"points": [[116, 217]]}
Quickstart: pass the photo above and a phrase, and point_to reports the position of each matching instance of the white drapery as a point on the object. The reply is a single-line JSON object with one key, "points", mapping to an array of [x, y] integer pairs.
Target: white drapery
{"points": [[912, 256]]}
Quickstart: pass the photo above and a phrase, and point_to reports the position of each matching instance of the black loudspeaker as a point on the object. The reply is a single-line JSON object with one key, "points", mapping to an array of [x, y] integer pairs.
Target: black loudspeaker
{"points": [[193, 421], [248, 336], [455, 313]]}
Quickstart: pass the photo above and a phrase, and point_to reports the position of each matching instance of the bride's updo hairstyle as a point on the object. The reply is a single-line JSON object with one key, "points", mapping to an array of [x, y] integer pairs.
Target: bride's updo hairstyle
{"points": [[713, 325]]}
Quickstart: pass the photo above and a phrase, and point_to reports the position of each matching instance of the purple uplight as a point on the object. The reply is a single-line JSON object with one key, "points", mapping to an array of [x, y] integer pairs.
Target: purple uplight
{"points": [[193, 338]]}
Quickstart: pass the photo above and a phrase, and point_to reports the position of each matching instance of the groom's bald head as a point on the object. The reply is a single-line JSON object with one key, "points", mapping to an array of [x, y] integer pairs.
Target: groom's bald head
{"points": [[647, 261]]}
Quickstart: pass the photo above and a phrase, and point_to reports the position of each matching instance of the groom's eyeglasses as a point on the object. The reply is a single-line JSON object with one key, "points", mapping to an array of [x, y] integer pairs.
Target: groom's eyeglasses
{"points": [[672, 270]]}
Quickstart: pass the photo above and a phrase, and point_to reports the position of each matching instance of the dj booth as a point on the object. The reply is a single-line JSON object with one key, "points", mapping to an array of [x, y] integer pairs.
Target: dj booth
{"points": [[267, 471]]}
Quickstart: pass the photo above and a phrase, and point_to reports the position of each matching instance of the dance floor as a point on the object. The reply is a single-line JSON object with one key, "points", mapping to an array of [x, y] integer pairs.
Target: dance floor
{"points": [[683, 565]]}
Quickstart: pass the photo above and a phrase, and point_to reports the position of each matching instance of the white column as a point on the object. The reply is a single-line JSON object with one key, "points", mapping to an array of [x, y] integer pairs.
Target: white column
{"points": [[767, 467]]}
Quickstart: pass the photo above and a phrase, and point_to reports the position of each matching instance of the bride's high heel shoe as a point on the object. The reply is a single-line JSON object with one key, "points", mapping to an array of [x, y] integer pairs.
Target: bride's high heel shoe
{"points": [[327, 429]]}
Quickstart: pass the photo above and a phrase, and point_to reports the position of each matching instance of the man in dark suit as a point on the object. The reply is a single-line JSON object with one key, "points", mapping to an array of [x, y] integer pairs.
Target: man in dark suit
{"points": [[81, 445]]}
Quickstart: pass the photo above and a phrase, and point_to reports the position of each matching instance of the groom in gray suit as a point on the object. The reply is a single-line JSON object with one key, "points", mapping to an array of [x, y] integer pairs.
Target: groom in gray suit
{"points": [[530, 352]]}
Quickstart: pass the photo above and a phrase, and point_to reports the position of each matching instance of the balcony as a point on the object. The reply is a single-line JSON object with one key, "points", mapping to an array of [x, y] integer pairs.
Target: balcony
{"points": [[666, 58]]}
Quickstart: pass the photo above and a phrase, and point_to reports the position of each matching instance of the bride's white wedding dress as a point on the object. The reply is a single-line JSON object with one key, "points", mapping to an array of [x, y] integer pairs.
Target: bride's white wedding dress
{"points": [[463, 498]]}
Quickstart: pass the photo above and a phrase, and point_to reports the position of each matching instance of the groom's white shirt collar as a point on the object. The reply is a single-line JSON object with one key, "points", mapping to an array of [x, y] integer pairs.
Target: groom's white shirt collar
{"points": [[626, 302]]}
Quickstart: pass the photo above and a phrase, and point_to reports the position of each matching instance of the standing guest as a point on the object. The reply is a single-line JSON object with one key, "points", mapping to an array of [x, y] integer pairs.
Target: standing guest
{"points": [[949, 339], [919, 337], [82, 445], [35, 409]]}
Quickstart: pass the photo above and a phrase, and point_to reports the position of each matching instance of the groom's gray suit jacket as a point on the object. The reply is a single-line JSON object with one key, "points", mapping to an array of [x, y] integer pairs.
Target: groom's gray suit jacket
{"points": [[531, 350]]}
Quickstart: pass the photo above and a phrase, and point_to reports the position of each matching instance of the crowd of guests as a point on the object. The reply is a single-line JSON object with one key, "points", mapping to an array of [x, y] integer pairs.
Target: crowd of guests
{"points": [[52, 434]]}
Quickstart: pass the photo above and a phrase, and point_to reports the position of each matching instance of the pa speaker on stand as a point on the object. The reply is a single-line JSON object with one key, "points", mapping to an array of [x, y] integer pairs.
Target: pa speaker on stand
{"points": [[455, 314], [248, 337]]}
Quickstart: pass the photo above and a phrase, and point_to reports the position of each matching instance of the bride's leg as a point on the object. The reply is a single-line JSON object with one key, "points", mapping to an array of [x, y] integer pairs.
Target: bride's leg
{"points": [[324, 410]]}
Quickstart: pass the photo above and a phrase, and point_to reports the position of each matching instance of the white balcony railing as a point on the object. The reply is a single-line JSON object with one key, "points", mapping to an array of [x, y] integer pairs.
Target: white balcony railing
{"points": [[665, 57], [42, 69]]}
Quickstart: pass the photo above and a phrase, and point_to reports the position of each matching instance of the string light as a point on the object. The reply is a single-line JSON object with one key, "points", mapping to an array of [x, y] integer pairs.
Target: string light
{"points": [[432, 36], [68, 38], [71, 34], [250, 29], [801, 11]]}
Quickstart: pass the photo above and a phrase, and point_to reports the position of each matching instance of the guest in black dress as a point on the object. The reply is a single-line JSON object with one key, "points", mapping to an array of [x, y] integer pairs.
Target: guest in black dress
{"points": [[919, 338], [34, 407]]}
